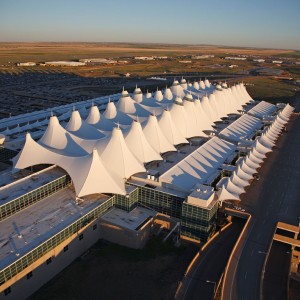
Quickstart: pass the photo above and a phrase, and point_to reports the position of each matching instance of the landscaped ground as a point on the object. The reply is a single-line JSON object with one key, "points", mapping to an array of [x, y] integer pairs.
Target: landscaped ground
{"points": [[114, 272]]}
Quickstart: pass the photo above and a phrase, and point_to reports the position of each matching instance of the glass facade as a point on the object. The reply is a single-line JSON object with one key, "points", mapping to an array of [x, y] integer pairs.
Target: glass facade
{"points": [[54, 241], [196, 222], [34, 196], [7, 154], [128, 202], [164, 203]]}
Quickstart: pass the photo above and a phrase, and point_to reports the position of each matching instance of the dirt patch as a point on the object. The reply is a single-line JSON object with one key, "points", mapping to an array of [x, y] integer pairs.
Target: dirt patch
{"points": [[116, 272]]}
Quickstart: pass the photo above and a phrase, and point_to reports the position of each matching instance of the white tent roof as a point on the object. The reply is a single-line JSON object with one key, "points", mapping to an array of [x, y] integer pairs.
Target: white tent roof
{"points": [[57, 138], [262, 109], [138, 144], [128, 106], [155, 136], [208, 110], [158, 96], [82, 129], [111, 113], [224, 194], [137, 95], [100, 122], [176, 89], [169, 129], [200, 165], [119, 158], [168, 94], [88, 173], [202, 118]]}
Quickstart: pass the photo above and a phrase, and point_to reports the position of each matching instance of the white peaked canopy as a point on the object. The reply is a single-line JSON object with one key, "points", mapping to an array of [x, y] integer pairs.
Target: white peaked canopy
{"points": [[215, 107], [128, 106], [178, 114], [246, 96], [111, 113], [196, 85], [155, 136], [168, 94], [193, 124], [233, 188], [243, 175], [261, 148], [239, 181], [221, 102], [158, 96], [208, 110], [183, 83], [202, 119], [266, 142], [177, 89], [91, 177], [93, 116], [224, 194], [100, 122], [57, 138], [119, 158], [254, 158], [248, 169], [148, 94], [88, 173], [207, 83], [137, 95], [257, 153], [252, 164], [202, 85], [169, 129], [82, 129], [138, 144]]}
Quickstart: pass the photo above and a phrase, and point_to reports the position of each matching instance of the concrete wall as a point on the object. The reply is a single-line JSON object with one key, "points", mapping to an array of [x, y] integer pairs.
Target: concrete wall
{"points": [[21, 287], [135, 239]]}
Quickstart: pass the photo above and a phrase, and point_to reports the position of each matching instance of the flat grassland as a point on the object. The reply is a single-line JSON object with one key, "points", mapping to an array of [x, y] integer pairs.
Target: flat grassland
{"points": [[264, 86]]}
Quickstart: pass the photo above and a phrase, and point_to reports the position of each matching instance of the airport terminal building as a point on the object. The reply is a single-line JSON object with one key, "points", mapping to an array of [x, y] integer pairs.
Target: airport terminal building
{"points": [[123, 168]]}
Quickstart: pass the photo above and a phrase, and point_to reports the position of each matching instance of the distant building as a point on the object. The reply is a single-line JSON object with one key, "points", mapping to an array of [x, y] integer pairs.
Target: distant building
{"points": [[185, 61], [277, 61], [144, 57], [26, 64], [98, 60], [203, 56], [235, 58], [65, 63], [260, 60]]}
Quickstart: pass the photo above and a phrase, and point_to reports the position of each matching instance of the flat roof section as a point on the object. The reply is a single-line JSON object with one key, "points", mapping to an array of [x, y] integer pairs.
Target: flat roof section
{"points": [[24, 231], [130, 220], [30, 183]]}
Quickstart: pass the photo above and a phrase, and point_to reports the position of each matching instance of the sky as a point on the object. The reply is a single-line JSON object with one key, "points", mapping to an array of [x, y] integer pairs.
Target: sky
{"points": [[249, 23]]}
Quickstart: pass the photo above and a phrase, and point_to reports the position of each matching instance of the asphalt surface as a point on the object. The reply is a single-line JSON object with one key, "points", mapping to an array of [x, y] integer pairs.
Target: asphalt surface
{"points": [[275, 197], [275, 284], [202, 281]]}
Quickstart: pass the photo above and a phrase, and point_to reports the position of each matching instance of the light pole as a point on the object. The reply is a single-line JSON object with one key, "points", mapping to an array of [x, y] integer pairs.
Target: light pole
{"points": [[215, 285]]}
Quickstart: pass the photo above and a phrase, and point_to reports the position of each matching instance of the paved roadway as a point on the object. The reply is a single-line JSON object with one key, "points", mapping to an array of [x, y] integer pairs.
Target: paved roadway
{"points": [[276, 273], [201, 281], [275, 197]]}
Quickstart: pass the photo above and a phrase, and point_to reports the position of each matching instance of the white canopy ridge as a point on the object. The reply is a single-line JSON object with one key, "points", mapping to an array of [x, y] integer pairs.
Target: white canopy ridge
{"points": [[169, 129], [139, 146], [155, 136], [119, 158]]}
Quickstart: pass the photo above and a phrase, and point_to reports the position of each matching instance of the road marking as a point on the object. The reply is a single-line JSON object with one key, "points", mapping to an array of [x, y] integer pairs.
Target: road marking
{"points": [[246, 275]]}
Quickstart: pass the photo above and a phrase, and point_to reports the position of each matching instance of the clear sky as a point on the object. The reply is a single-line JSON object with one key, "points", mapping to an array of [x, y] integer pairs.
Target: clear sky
{"points": [[254, 23]]}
